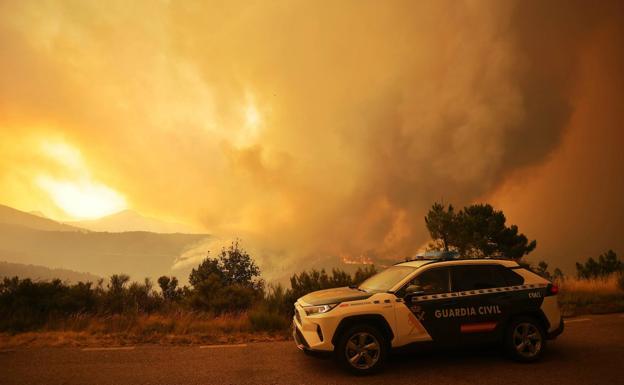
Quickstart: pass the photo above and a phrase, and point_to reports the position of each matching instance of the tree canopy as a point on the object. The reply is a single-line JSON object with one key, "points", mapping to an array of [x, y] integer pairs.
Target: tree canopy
{"points": [[606, 264], [234, 266], [230, 282], [169, 287], [477, 230]]}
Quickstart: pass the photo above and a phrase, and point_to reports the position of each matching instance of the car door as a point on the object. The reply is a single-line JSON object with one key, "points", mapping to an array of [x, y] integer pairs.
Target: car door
{"points": [[483, 303], [425, 297]]}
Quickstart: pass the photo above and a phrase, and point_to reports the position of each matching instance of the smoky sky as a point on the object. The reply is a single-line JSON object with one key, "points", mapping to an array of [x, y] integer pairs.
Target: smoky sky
{"points": [[308, 129]]}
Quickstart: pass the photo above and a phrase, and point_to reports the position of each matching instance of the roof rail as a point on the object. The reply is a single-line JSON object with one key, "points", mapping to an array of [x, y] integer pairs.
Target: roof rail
{"points": [[441, 256]]}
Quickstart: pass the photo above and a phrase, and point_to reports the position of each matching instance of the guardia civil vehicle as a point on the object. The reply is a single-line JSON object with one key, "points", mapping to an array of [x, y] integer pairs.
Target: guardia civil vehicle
{"points": [[441, 300]]}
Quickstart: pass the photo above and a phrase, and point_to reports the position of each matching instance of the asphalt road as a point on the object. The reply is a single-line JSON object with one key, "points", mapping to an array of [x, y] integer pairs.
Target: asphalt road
{"points": [[591, 351]]}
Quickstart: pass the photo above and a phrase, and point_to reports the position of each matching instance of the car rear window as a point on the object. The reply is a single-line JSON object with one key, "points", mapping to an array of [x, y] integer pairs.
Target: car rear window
{"points": [[512, 278]]}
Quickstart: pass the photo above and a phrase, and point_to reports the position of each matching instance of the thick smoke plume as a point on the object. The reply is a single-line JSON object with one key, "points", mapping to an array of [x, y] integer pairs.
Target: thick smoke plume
{"points": [[309, 130]]}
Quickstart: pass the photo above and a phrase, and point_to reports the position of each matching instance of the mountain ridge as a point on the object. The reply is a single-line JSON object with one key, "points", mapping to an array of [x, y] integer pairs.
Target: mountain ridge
{"points": [[28, 239], [11, 216], [43, 273], [130, 220]]}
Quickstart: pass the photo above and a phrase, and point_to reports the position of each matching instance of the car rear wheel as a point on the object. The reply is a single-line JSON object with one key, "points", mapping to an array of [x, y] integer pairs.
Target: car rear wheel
{"points": [[362, 349], [525, 339]]}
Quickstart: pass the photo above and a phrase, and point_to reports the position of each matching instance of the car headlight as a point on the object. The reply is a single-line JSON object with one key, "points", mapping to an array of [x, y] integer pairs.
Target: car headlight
{"points": [[312, 310]]}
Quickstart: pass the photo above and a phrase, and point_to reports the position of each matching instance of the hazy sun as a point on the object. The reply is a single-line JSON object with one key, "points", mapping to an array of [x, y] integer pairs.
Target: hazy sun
{"points": [[252, 116], [76, 192], [251, 123], [82, 199]]}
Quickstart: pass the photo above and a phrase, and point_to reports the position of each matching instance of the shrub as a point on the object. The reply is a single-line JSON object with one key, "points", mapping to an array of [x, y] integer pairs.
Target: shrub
{"points": [[115, 298], [211, 295], [307, 282], [229, 283], [279, 300], [234, 266], [142, 298], [169, 288], [27, 305], [263, 319]]}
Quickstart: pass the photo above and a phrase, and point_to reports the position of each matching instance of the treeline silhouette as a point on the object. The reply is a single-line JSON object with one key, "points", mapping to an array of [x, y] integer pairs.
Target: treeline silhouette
{"points": [[606, 265], [230, 283]]}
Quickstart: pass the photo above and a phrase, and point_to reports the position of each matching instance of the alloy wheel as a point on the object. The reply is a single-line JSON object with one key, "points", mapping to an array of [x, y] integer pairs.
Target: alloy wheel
{"points": [[527, 340], [362, 350]]}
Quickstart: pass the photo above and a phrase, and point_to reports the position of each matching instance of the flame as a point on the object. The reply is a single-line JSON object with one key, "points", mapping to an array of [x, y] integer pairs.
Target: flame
{"points": [[359, 260]]}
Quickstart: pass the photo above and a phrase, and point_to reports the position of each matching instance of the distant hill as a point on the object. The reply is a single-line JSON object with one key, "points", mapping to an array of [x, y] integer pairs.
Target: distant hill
{"points": [[41, 273], [11, 216], [129, 220], [30, 239], [138, 253]]}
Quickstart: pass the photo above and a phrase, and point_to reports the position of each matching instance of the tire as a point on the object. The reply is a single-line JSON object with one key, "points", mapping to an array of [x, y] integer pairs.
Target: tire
{"points": [[525, 339], [362, 349]]}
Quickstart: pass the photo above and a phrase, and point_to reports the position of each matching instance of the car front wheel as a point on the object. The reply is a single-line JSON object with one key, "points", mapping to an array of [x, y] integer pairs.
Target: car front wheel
{"points": [[362, 349]]}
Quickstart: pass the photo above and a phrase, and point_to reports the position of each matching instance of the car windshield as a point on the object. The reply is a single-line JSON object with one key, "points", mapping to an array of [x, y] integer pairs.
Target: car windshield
{"points": [[386, 279]]}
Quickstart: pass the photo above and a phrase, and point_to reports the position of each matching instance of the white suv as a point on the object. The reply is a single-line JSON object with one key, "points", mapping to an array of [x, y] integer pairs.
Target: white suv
{"points": [[445, 301]]}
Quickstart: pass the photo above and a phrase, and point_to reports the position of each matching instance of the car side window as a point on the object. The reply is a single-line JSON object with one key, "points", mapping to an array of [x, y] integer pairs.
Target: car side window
{"points": [[433, 281], [476, 277]]}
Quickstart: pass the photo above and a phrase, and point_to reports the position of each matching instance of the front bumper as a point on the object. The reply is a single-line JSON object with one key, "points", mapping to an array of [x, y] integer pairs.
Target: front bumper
{"points": [[300, 341], [553, 334], [313, 333]]}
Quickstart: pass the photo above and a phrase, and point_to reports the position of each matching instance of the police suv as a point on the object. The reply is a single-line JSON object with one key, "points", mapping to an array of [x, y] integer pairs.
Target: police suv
{"points": [[441, 301]]}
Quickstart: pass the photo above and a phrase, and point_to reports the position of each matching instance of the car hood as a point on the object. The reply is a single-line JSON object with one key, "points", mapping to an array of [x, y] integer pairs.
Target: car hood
{"points": [[336, 295]]}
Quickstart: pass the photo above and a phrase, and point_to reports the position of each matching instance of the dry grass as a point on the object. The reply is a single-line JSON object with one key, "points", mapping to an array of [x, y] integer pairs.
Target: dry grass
{"points": [[180, 328], [601, 286], [591, 296]]}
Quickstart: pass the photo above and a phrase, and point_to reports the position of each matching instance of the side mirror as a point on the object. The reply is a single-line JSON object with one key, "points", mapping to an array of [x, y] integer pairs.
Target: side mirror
{"points": [[414, 290]]}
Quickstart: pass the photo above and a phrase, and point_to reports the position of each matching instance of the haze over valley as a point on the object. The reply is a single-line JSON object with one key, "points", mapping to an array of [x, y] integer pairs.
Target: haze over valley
{"points": [[30, 239]]}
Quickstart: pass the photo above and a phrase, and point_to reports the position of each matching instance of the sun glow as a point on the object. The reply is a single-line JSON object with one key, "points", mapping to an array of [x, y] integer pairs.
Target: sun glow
{"points": [[252, 116], [83, 199], [252, 122], [75, 191]]}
